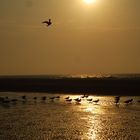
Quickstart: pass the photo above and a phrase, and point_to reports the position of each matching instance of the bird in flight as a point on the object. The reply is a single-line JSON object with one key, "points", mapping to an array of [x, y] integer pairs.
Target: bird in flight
{"points": [[48, 23]]}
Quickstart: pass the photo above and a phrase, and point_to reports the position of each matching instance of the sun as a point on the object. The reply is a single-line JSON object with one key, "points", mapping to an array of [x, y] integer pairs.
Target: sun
{"points": [[89, 1]]}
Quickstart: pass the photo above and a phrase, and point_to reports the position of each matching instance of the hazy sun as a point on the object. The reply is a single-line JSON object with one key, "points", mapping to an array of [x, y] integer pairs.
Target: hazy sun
{"points": [[89, 1]]}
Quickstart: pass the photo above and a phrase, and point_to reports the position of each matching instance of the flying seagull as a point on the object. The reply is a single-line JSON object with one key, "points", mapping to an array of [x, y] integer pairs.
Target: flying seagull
{"points": [[48, 23]]}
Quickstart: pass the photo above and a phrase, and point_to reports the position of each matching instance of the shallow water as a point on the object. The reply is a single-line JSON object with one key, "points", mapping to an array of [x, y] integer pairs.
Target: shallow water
{"points": [[59, 120]]}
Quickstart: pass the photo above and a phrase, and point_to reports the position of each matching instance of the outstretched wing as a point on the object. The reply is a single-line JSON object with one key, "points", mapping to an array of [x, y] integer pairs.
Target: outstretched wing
{"points": [[45, 22]]}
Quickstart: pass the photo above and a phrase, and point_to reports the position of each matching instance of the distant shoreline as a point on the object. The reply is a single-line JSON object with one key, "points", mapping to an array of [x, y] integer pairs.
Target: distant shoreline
{"points": [[100, 86]]}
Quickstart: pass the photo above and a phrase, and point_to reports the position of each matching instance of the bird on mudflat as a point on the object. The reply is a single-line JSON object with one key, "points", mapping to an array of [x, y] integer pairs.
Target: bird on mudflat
{"points": [[96, 101], [78, 100], [128, 101], [48, 23], [52, 98], [116, 99], [44, 98], [89, 100], [57, 97], [14, 100], [24, 97], [69, 100], [35, 98]]}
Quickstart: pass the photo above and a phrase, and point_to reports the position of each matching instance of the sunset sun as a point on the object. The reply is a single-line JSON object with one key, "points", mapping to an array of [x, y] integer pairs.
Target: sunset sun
{"points": [[89, 1]]}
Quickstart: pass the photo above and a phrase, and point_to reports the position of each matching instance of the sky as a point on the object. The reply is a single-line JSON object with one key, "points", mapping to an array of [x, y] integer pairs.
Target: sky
{"points": [[101, 37]]}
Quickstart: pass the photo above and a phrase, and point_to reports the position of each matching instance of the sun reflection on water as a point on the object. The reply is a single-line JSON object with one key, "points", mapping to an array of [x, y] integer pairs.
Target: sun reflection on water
{"points": [[93, 121]]}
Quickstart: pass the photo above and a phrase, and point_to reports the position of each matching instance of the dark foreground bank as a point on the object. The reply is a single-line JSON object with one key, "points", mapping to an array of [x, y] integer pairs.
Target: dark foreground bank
{"points": [[122, 86]]}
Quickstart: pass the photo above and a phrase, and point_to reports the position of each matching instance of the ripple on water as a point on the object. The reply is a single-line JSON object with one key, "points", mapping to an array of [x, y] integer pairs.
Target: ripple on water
{"points": [[59, 120]]}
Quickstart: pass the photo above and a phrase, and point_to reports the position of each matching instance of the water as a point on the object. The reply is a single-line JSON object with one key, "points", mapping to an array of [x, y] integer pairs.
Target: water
{"points": [[59, 120]]}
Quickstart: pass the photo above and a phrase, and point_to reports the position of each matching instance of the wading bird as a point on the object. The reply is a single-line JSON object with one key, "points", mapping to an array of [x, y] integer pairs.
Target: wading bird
{"points": [[117, 99], [69, 100], [78, 100], [24, 97], [84, 96], [14, 100], [48, 23], [96, 101], [57, 97], [128, 101], [89, 100], [44, 98], [67, 97], [52, 98], [35, 98]]}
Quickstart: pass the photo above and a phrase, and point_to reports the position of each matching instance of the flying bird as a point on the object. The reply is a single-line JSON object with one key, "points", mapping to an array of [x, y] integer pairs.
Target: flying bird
{"points": [[48, 23]]}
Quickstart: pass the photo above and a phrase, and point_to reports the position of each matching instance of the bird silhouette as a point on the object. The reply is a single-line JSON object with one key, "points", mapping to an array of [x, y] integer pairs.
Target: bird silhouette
{"points": [[23, 97], [69, 100], [128, 101], [89, 100], [96, 101], [117, 99], [35, 98], [44, 98], [57, 97], [14, 100], [52, 98], [48, 23], [78, 100]]}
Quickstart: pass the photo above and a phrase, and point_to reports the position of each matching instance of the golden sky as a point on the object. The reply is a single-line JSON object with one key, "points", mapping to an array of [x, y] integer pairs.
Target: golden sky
{"points": [[101, 37]]}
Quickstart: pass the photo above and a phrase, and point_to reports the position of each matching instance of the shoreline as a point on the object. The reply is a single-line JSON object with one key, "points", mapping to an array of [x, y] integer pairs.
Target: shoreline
{"points": [[104, 86]]}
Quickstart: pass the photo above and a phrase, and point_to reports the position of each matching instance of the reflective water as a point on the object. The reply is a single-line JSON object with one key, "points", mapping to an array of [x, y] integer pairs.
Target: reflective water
{"points": [[60, 120]]}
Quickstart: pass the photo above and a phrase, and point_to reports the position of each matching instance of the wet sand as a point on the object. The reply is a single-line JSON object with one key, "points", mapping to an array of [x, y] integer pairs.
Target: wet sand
{"points": [[59, 120]]}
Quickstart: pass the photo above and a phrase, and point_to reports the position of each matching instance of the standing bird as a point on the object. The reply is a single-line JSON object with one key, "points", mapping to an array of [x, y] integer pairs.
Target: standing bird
{"points": [[52, 98], [44, 98], [89, 100], [24, 97], [128, 101], [57, 97], [35, 98], [96, 101], [14, 100], [48, 23], [78, 100], [117, 99], [67, 98]]}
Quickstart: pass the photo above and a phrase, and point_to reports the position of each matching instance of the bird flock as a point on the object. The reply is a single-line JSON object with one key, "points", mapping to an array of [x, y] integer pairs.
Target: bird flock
{"points": [[68, 99]]}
